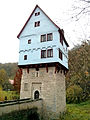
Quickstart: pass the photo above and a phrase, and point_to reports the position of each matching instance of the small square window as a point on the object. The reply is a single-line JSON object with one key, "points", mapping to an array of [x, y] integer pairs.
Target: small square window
{"points": [[37, 74], [49, 37], [38, 13], [50, 53], [25, 86], [43, 38], [25, 57], [29, 41], [43, 53], [37, 24]]}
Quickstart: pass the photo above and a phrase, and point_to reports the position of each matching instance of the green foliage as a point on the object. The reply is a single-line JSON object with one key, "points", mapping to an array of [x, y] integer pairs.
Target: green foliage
{"points": [[3, 76], [10, 95], [7, 71], [74, 94], [77, 112], [10, 69], [29, 114], [79, 69]]}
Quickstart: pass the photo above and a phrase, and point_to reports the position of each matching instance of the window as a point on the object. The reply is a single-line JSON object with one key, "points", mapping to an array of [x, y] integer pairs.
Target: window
{"points": [[29, 41], [37, 74], [61, 39], [50, 53], [60, 54], [43, 38], [25, 57], [43, 53], [37, 24], [38, 13], [49, 37], [25, 86]]}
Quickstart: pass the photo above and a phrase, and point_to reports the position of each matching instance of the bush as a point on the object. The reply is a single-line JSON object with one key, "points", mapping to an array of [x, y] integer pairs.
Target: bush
{"points": [[29, 114], [74, 94], [8, 95]]}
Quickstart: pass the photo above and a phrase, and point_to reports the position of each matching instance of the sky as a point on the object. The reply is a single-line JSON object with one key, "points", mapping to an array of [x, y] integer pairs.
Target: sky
{"points": [[14, 13]]}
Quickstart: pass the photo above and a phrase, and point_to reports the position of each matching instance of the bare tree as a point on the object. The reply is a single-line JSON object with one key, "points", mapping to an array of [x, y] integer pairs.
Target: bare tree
{"points": [[81, 8]]}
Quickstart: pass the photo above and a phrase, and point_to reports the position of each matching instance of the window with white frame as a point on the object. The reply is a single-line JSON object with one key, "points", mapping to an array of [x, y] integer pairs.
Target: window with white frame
{"points": [[50, 53], [43, 38], [46, 37], [43, 53], [47, 53], [37, 13], [25, 57], [49, 37], [29, 41], [37, 24]]}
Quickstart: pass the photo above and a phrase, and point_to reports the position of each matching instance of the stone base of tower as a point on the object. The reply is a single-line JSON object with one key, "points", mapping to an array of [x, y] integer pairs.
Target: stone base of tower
{"points": [[48, 84]]}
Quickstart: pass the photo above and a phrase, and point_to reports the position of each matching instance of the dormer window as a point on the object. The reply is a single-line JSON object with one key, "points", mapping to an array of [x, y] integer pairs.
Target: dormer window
{"points": [[25, 57], [43, 38], [38, 13], [29, 41], [49, 37], [37, 24]]}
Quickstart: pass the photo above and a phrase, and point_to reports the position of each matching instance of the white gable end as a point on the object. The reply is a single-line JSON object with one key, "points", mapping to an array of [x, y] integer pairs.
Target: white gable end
{"points": [[46, 26]]}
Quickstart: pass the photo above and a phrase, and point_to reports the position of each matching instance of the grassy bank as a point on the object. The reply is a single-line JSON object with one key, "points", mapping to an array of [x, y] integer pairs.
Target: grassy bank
{"points": [[77, 112]]}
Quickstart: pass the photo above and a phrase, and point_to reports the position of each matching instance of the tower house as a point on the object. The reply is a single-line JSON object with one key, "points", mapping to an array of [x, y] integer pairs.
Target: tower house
{"points": [[43, 58]]}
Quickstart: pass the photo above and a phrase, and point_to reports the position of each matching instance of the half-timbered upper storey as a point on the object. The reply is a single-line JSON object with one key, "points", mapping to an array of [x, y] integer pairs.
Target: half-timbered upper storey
{"points": [[42, 41]]}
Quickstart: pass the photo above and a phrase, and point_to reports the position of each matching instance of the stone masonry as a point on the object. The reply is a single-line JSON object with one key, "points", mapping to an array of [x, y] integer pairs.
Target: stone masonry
{"points": [[51, 88]]}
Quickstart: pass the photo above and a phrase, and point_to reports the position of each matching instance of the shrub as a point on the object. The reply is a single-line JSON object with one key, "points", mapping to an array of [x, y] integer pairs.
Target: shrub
{"points": [[74, 94]]}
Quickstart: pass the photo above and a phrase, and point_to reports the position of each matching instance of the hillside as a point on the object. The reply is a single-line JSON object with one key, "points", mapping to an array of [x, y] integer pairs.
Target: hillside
{"points": [[10, 69]]}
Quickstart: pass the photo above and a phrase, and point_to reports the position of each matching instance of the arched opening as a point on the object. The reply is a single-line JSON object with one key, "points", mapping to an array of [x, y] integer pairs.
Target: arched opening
{"points": [[36, 94], [33, 114]]}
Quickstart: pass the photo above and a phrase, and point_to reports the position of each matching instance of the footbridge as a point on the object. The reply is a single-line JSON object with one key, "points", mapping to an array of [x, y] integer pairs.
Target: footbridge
{"points": [[22, 104]]}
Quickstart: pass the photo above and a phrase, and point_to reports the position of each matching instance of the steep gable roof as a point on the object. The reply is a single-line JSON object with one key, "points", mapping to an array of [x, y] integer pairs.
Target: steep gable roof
{"points": [[60, 31]]}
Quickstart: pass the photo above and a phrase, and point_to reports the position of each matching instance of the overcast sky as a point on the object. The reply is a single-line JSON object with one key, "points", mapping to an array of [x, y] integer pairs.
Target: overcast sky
{"points": [[14, 13]]}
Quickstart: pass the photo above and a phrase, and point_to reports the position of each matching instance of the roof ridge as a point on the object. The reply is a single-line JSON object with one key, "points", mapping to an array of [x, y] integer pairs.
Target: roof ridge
{"points": [[31, 16], [48, 18]]}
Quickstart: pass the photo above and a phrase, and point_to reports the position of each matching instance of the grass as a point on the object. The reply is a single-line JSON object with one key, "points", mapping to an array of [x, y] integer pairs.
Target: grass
{"points": [[77, 112]]}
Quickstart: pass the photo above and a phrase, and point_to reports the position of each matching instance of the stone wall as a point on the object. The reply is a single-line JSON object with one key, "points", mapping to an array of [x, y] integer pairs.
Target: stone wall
{"points": [[51, 87]]}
